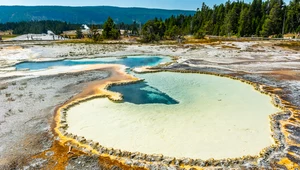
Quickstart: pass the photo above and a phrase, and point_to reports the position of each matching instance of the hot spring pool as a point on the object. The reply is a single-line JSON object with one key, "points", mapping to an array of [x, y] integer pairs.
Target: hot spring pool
{"points": [[130, 61], [179, 115]]}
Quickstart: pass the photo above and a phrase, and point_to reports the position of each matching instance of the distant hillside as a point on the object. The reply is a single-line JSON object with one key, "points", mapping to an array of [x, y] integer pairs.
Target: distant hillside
{"points": [[88, 15]]}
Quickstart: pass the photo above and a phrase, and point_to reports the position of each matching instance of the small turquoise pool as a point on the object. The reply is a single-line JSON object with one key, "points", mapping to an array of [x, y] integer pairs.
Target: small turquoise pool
{"points": [[130, 61]]}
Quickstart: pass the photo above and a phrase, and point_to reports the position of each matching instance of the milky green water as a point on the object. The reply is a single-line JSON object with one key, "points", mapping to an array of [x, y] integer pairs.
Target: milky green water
{"points": [[215, 118]]}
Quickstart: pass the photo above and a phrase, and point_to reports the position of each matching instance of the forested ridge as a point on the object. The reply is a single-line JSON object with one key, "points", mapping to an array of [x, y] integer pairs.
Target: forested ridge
{"points": [[85, 14]]}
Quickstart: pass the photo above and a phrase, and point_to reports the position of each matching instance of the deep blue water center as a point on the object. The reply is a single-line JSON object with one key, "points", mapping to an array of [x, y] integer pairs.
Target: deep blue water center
{"points": [[131, 62], [142, 93], [139, 93]]}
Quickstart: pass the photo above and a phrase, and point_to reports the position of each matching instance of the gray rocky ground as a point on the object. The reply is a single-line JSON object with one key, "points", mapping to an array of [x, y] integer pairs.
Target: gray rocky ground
{"points": [[26, 112]]}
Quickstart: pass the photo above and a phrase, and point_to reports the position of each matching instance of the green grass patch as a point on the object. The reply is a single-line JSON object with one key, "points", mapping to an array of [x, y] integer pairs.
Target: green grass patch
{"points": [[5, 37]]}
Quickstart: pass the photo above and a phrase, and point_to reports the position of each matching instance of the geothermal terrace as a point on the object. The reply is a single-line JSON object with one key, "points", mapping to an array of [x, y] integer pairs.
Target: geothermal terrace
{"points": [[224, 104]]}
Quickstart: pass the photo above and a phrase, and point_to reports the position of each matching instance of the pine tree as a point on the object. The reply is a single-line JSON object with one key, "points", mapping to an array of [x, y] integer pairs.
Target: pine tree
{"points": [[109, 30], [244, 23], [293, 17], [95, 33], [153, 30], [273, 23], [79, 34], [227, 27]]}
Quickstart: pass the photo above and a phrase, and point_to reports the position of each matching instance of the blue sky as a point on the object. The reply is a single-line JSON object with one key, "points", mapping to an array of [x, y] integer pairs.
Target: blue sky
{"points": [[165, 4]]}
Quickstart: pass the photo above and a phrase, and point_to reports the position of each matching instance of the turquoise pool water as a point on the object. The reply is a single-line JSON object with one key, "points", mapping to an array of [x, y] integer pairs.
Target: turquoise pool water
{"points": [[130, 61], [215, 117]]}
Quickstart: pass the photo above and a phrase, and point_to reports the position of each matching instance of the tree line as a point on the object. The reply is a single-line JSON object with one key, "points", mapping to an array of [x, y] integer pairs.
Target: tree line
{"points": [[58, 27], [237, 18], [110, 30], [38, 27], [258, 18]]}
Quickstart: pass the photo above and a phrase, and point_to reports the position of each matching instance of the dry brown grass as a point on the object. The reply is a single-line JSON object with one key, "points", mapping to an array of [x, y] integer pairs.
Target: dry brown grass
{"points": [[3, 87], [6, 37], [85, 40], [216, 40], [290, 45], [90, 41], [290, 35], [230, 47]]}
